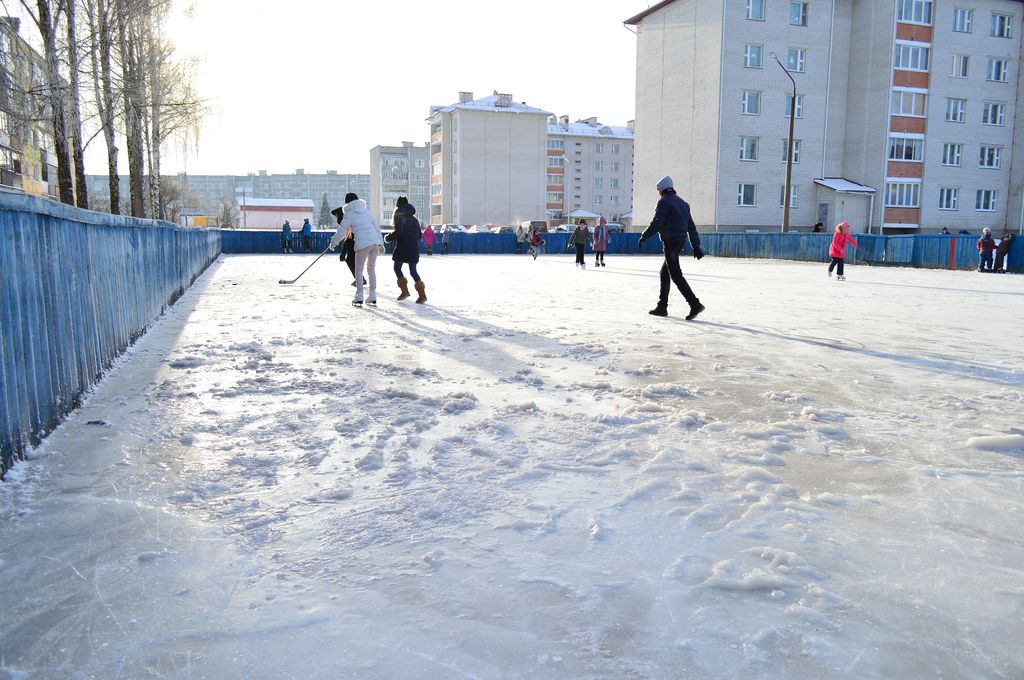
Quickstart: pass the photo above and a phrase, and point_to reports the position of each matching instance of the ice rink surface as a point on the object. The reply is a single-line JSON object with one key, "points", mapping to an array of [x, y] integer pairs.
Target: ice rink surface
{"points": [[530, 477]]}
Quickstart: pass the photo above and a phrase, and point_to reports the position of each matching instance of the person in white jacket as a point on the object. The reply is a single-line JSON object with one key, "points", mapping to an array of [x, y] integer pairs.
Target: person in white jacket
{"points": [[368, 241]]}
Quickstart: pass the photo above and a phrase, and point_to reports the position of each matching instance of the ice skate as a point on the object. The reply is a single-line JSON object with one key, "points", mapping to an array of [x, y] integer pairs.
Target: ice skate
{"points": [[357, 302], [840, 278]]}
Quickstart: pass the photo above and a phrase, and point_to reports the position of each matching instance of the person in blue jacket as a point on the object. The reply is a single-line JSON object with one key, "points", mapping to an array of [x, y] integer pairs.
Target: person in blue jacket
{"points": [[286, 237], [307, 236], [673, 223]]}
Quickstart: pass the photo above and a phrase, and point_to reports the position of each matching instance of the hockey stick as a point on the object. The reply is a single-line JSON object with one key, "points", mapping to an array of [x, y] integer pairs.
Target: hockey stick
{"points": [[307, 268]]}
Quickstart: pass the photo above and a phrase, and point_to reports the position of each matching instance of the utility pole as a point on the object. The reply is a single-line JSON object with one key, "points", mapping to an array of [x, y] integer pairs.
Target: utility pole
{"points": [[243, 209], [789, 149]]}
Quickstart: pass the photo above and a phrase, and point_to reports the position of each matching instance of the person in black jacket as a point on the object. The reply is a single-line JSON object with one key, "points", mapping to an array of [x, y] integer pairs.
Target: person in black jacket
{"points": [[407, 237], [348, 246], [673, 223]]}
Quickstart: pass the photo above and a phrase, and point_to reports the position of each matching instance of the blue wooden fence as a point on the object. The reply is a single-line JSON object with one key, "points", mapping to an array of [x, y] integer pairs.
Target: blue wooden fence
{"points": [[930, 251], [76, 289]]}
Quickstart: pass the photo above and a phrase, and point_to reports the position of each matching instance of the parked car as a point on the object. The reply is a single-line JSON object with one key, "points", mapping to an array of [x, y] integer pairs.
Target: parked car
{"points": [[478, 229], [615, 227], [453, 228], [561, 229], [502, 230], [530, 225]]}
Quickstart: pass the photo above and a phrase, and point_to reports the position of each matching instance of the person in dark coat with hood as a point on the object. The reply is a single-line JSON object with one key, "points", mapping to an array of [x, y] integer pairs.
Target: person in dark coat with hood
{"points": [[348, 246], [406, 237], [1002, 250], [673, 223]]}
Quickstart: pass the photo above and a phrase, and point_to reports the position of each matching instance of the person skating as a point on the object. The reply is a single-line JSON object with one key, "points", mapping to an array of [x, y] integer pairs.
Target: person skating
{"points": [[307, 236], [368, 240], [1002, 251], [428, 239], [535, 243], [348, 249], [286, 237], [986, 244], [406, 237], [580, 238], [444, 240], [837, 250], [601, 239], [673, 224]]}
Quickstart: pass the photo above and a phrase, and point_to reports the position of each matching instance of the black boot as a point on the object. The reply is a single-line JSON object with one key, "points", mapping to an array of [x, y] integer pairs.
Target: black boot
{"points": [[660, 310], [695, 309]]}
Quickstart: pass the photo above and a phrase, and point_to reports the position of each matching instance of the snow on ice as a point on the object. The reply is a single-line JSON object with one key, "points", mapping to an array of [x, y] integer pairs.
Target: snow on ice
{"points": [[530, 477]]}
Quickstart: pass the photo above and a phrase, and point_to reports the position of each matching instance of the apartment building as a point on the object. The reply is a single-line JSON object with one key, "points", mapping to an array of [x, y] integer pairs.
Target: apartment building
{"points": [[589, 167], [488, 161], [27, 158], [904, 112], [399, 171]]}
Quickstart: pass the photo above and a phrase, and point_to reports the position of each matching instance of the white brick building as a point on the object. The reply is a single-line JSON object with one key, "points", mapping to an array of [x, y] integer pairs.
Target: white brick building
{"points": [[911, 102], [399, 171], [590, 167], [488, 161]]}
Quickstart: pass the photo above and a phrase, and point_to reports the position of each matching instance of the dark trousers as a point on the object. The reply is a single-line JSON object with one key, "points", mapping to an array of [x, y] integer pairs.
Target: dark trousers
{"points": [[837, 264], [412, 271], [444, 247], [286, 245], [579, 252], [985, 261], [1000, 258], [307, 243], [670, 271], [598, 256], [348, 254]]}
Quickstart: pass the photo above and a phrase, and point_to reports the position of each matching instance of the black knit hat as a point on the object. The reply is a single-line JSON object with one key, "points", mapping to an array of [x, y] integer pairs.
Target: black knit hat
{"points": [[350, 196]]}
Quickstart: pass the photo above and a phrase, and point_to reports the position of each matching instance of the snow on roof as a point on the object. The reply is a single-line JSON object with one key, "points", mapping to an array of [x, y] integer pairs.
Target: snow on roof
{"points": [[276, 202], [495, 102], [844, 186], [588, 130], [582, 213]]}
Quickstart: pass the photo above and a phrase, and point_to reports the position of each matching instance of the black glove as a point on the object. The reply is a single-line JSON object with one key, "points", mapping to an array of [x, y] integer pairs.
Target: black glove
{"points": [[698, 253]]}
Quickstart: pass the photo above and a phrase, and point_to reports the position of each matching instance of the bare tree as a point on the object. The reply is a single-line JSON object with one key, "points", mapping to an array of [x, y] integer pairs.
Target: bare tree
{"points": [[99, 13], [74, 107]]}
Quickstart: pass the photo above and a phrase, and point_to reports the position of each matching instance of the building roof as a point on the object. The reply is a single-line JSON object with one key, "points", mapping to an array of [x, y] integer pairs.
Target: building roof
{"points": [[632, 21], [501, 103], [582, 213], [844, 186], [588, 130], [276, 202]]}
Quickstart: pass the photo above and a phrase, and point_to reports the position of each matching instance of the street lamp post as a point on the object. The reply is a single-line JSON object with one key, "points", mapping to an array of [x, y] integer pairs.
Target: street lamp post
{"points": [[788, 191]]}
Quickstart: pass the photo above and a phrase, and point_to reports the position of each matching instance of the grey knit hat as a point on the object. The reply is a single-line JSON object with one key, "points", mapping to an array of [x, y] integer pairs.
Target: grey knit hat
{"points": [[664, 183]]}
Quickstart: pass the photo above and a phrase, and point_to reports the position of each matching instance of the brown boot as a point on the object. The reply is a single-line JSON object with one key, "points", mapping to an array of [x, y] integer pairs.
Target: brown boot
{"points": [[421, 288], [403, 283]]}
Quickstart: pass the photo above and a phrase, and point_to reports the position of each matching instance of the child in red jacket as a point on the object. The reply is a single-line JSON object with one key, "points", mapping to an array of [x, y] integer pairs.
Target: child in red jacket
{"points": [[837, 251]]}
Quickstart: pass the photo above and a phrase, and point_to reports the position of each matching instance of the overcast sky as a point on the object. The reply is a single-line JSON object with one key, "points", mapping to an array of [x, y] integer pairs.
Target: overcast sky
{"points": [[316, 84]]}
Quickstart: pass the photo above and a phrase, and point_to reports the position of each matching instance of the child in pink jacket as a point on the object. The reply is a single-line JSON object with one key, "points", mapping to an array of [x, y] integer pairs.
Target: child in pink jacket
{"points": [[837, 251]]}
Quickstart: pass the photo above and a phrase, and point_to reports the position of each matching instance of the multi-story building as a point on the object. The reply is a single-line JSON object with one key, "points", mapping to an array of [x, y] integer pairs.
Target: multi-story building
{"points": [[589, 167], [27, 158], [488, 161], [399, 171], [904, 112]]}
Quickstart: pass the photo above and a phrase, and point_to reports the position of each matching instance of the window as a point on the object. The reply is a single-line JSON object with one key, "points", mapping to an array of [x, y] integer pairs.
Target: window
{"points": [[420, 163], [613, 200], [902, 194], [1000, 26], [952, 153], [613, 183], [748, 148], [435, 169], [795, 60], [799, 105], [554, 198], [986, 200], [751, 102], [616, 149], [598, 183], [959, 66], [5, 123], [906, 148], [949, 198], [752, 55], [746, 195], [793, 194], [908, 103], [755, 10], [615, 165], [910, 57], [992, 113], [798, 14], [555, 144], [435, 189], [997, 70], [598, 147], [796, 150], [556, 161], [556, 179], [598, 199], [990, 157], [962, 19], [956, 110], [914, 11], [598, 166]]}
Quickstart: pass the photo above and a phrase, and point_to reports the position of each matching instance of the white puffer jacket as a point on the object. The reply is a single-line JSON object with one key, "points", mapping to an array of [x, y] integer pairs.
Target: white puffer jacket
{"points": [[364, 228]]}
